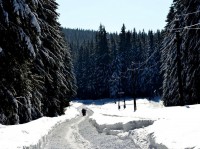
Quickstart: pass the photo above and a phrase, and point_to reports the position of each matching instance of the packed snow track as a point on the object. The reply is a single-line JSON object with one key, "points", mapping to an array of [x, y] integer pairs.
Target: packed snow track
{"points": [[79, 133]]}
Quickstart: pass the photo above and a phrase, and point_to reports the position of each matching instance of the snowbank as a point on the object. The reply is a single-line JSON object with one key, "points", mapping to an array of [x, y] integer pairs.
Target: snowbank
{"points": [[152, 125], [33, 134], [180, 129], [109, 113]]}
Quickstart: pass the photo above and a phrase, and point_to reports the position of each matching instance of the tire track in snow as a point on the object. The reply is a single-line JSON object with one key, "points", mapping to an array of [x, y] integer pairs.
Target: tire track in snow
{"points": [[102, 140], [73, 137], [66, 136], [74, 134]]}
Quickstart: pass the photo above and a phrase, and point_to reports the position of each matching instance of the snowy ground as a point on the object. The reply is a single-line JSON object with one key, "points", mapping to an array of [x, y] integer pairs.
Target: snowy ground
{"points": [[79, 133], [151, 126], [32, 134]]}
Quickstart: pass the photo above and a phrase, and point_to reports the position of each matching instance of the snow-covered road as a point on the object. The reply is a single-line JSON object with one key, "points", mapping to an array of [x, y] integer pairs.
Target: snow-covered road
{"points": [[151, 126], [66, 136], [79, 133]]}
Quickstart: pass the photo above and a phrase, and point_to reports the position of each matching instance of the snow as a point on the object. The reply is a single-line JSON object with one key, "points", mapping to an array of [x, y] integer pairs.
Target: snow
{"points": [[1, 49], [109, 113], [152, 125], [35, 2], [181, 130], [28, 42], [30, 134], [35, 23], [16, 7], [25, 12], [6, 17], [75, 139]]}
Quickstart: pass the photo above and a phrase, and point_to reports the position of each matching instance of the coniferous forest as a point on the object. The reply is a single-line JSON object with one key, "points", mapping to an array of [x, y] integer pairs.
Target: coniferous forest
{"points": [[142, 64], [109, 63], [44, 66]]}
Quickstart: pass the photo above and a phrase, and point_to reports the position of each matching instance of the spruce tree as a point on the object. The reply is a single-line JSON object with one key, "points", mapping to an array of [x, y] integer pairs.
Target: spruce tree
{"points": [[54, 62], [19, 41], [36, 76], [182, 19], [102, 70]]}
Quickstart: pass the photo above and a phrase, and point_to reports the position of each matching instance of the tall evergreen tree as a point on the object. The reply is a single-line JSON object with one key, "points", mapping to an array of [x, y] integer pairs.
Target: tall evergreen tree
{"points": [[19, 40], [122, 52], [57, 68], [36, 75], [102, 71], [183, 19]]}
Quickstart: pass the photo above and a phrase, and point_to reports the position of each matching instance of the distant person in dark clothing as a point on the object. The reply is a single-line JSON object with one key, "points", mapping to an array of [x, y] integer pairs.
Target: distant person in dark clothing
{"points": [[83, 112]]}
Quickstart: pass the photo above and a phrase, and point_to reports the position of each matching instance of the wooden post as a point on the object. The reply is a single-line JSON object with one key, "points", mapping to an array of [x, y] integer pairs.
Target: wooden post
{"points": [[119, 104], [179, 67], [124, 103], [134, 77], [135, 107], [120, 95]]}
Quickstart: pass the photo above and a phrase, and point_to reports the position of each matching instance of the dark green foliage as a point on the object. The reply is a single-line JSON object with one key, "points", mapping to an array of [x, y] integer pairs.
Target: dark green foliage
{"points": [[182, 14], [36, 75], [57, 68], [111, 63], [102, 64], [18, 49]]}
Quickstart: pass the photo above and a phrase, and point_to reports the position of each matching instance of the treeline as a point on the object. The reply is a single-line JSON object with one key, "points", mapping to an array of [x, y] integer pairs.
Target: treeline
{"points": [[144, 64], [36, 77], [78, 36], [107, 65]]}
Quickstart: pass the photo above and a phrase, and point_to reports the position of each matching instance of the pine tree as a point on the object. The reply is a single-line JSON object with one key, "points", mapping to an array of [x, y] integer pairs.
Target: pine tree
{"points": [[54, 62], [36, 72], [122, 53], [19, 41], [181, 15], [157, 77], [191, 50], [102, 71]]}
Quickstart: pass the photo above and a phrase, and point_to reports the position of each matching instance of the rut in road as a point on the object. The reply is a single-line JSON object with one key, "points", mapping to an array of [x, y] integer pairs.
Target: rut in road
{"points": [[66, 136], [79, 133]]}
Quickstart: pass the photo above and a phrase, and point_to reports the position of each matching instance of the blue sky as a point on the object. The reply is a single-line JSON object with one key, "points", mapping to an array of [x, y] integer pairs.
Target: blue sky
{"points": [[88, 14]]}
